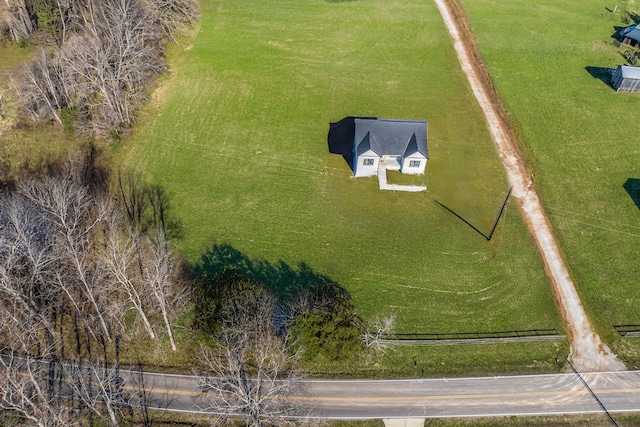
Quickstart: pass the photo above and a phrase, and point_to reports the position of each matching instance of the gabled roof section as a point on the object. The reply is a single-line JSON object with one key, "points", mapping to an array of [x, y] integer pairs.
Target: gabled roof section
{"points": [[366, 143], [633, 32], [414, 149], [391, 137]]}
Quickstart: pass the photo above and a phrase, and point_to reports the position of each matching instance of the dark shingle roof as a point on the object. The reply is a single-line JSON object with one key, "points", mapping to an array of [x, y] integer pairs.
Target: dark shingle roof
{"points": [[368, 143], [391, 137]]}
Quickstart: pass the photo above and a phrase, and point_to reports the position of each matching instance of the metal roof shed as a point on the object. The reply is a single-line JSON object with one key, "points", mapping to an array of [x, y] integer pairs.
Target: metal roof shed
{"points": [[626, 79], [631, 33]]}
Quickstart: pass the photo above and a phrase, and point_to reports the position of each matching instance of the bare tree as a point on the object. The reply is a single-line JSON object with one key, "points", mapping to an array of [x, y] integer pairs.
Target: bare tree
{"points": [[112, 63], [253, 374], [24, 392], [98, 385], [108, 55], [158, 277], [76, 217], [69, 262], [48, 393], [27, 301], [17, 20], [118, 257], [143, 241], [173, 16], [376, 331], [40, 90], [70, 16]]}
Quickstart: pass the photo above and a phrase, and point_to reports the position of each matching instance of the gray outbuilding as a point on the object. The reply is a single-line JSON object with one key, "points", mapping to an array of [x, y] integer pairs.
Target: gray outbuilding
{"points": [[626, 79]]}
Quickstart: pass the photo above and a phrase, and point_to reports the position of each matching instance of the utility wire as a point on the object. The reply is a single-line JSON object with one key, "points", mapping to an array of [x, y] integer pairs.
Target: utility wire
{"points": [[593, 394]]}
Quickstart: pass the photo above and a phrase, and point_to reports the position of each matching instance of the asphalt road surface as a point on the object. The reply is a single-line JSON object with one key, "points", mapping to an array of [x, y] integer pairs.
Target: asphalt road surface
{"points": [[445, 397]]}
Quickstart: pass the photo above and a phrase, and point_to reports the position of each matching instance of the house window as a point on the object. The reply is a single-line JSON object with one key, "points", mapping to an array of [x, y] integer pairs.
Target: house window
{"points": [[367, 162], [414, 163]]}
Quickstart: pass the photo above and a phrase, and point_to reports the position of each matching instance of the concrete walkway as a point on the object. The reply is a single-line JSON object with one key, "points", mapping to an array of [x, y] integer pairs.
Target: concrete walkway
{"points": [[382, 181]]}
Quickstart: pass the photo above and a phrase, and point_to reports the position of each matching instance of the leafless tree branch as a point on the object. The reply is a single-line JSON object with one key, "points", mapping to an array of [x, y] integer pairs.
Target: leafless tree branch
{"points": [[253, 374], [17, 20], [376, 330]]}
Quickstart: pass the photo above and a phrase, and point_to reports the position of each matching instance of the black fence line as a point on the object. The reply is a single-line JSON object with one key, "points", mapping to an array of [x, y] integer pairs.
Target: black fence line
{"points": [[471, 335]]}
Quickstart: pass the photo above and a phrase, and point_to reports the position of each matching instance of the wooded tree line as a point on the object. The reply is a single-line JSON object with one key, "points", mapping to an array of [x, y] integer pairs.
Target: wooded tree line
{"points": [[102, 58], [85, 263], [87, 267]]}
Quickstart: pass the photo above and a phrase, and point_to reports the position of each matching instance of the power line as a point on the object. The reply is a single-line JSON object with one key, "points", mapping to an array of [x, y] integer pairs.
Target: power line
{"points": [[593, 394]]}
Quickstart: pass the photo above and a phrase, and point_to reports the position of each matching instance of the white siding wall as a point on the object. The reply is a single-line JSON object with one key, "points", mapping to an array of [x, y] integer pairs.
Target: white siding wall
{"points": [[629, 85], [406, 168], [366, 170]]}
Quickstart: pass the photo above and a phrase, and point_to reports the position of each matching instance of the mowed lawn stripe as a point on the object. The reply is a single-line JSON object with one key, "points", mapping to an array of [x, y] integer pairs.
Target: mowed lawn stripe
{"points": [[582, 139], [241, 143]]}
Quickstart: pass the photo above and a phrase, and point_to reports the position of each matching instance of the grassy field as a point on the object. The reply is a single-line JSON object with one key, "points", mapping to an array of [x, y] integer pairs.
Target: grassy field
{"points": [[12, 54], [239, 138], [583, 140]]}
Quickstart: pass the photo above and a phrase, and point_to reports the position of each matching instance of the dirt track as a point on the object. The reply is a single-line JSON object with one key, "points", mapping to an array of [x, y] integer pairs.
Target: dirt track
{"points": [[588, 353]]}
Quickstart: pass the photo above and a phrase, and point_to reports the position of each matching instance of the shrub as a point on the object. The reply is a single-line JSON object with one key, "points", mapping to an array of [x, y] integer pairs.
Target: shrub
{"points": [[332, 333]]}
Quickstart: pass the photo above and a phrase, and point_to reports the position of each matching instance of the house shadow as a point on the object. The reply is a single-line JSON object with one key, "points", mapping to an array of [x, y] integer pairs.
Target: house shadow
{"points": [[617, 33], [601, 73], [632, 186], [340, 138], [225, 264]]}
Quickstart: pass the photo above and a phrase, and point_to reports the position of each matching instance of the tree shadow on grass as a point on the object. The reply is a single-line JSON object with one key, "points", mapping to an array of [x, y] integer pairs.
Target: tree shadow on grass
{"points": [[601, 73], [315, 309], [223, 264], [632, 186], [340, 138], [225, 273]]}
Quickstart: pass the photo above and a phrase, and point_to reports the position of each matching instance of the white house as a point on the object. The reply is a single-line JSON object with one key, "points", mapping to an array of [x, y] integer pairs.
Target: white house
{"points": [[395, 144]]}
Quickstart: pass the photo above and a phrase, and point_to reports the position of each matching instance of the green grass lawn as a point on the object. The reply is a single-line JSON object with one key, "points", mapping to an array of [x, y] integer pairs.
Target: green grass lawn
{"points": [[240, 141], [583, 138]]}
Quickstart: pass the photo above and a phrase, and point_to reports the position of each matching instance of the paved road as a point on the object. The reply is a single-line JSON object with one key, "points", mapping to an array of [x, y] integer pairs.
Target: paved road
{"points": [[424, 398]]}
